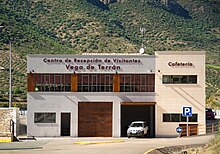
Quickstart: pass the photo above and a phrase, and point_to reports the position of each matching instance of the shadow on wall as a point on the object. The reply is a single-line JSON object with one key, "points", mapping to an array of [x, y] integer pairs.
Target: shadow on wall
{"points": [[187, 97]]}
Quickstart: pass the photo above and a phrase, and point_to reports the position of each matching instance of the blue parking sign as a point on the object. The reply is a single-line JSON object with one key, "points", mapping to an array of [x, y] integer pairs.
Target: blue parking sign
{"points": [[187, 111]]}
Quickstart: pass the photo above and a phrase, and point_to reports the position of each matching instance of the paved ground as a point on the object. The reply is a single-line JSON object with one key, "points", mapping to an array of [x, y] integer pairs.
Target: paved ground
{"points": [[68, 146]]}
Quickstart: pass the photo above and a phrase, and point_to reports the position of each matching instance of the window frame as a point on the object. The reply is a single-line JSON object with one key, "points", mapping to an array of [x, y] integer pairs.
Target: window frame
{"points": [[95, 82], [44, 120], [180, 79], [53, 83], [137, 82], [180, 117]]}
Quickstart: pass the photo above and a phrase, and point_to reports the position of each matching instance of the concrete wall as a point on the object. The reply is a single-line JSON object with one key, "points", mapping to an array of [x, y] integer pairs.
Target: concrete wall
{"points": [[8, 114], [68, 102], [171, 98]]}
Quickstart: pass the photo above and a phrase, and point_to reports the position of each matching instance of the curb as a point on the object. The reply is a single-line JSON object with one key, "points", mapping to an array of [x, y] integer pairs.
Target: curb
{"points": [[153, 149], [98, 142], [5, 140]]}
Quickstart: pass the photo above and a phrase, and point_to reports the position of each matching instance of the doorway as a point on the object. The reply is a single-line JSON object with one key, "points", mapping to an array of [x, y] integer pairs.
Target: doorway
{"points": [[65, 124], [142, 112]]}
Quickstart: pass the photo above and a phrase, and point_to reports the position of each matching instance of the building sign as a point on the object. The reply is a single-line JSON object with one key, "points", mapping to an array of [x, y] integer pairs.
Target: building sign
{"points": [[91, 63], [180, 64], [76, 64]]}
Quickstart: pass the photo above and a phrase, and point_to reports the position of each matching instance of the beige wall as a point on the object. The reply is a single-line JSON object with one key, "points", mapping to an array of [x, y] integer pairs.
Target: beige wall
{"points": [[171, 97]]}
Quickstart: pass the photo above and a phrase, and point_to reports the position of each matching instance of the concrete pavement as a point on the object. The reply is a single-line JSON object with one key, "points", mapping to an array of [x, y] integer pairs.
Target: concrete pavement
{"points": [[66, 145]]}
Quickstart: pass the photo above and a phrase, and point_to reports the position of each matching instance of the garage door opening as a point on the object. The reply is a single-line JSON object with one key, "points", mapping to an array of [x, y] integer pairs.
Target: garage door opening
{"points": [[95, 119], [138, 112]]}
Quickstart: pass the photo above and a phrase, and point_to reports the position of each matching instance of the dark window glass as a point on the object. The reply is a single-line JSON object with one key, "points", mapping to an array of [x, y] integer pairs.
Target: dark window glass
{"points": [[166, 117], [193, 118], [52, 82], [193, 79], [183, 79], [44, 117], [177, 117], [95, 83], [179, 79], [183, 119], [137, 82]]}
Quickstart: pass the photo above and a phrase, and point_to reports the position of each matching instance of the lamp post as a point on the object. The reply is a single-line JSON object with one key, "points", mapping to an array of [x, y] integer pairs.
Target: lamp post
{"points": [[10, 83], [142, 29]]}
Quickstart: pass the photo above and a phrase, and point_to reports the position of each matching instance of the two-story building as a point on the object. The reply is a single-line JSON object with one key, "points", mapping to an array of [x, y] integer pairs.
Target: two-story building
{"points": [[101, 94]]}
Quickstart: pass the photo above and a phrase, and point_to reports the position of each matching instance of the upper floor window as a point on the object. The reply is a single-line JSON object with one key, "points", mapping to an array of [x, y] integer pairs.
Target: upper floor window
{"points": [[137, 82], [95, 83], [52, 82], [179, 79]]}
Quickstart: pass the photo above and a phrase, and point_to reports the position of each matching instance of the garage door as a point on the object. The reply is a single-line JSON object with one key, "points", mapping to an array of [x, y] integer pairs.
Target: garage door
{"points": [[137, 112], [95, 119]]}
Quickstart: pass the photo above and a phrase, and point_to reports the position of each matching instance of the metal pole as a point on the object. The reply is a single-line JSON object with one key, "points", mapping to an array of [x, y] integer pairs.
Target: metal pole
{"points": [[10, 83], [142, 32], [187, 125], [10, 76]]}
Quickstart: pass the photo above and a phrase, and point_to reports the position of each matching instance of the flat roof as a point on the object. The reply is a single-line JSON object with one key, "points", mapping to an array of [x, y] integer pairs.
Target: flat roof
{"points": [[180, 52], [123, 54], [90, 55]]}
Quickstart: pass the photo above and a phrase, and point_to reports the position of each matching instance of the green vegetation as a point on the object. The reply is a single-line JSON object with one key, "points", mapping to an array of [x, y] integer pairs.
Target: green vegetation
{"points": [[213, 146], [20, 105], [76, 26], [213, 66]]}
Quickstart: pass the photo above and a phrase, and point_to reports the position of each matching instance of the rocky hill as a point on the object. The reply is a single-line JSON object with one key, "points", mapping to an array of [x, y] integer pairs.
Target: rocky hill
{"points": [[76, 26]]}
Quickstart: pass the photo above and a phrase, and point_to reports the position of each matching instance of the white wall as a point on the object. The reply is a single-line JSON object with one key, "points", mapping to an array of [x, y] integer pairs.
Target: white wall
{"points": [[68, 102], [171, 97]]}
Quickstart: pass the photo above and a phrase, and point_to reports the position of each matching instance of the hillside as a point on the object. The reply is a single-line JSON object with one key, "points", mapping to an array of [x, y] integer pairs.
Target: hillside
{"points": [[76, 26]]}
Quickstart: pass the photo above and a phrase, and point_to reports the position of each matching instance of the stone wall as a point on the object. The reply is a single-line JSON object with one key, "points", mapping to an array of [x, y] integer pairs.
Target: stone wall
{"points": [[7, 114]]}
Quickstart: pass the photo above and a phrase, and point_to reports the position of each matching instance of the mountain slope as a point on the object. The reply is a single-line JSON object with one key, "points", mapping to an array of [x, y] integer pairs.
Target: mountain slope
{"points": [[75, 26]]}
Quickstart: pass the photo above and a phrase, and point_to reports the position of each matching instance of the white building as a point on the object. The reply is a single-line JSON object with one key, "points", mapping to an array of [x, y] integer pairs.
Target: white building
{"points": [[101, 94]]}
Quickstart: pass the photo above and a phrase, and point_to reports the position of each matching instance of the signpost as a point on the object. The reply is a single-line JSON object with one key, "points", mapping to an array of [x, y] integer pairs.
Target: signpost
{"points": [[179, 130], [187, 112]]}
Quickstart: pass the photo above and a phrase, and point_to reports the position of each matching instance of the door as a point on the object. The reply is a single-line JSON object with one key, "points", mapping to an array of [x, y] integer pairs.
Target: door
{"points": [[65, 124], [95, 119]]}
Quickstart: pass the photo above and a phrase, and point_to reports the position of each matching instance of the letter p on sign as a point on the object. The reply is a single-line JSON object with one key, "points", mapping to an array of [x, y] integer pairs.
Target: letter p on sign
{"points": [[187, 111]]}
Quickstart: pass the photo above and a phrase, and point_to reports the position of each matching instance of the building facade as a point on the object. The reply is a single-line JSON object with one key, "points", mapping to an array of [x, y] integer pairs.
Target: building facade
{"points": [[101, 94]]}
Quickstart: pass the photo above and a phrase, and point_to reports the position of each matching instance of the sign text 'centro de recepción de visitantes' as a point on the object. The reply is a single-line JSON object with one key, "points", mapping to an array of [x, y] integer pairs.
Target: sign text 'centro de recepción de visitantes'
{"points": [[76, 64]]}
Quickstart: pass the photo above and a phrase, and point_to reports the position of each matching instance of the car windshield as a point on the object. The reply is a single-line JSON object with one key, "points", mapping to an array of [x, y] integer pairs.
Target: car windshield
{"points": [[136, 125]]}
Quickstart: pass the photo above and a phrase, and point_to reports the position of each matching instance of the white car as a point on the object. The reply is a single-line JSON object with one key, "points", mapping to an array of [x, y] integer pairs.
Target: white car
{"points": [[138, 129]]}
